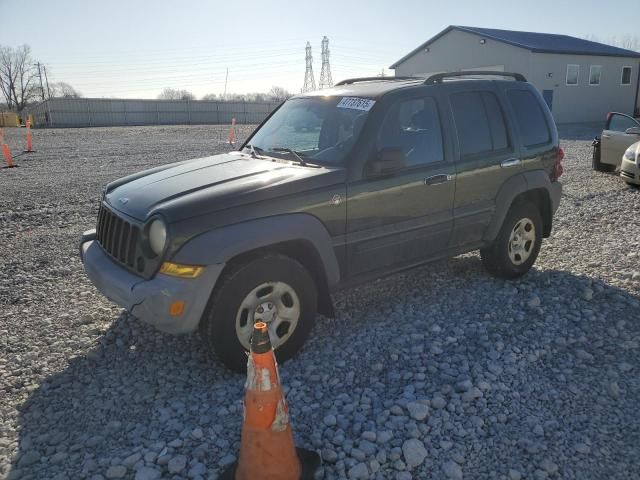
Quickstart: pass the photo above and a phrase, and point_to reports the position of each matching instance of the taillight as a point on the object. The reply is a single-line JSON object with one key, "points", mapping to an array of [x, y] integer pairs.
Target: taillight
{"points": [[558, 170]]}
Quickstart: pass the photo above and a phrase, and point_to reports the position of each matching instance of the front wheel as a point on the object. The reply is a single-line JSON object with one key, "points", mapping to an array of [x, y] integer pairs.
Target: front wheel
{"points": [[274, 289], [517, 245]]}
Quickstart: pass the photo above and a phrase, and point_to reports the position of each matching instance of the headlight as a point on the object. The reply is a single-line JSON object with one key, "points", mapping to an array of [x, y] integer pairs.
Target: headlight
{"points": [[157, 236], [630, 153]]}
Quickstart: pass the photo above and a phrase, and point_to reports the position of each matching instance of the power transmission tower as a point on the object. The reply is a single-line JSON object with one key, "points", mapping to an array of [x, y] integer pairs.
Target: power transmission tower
{"points": [[325, 73], [46, 79], [41, 85], [309, 82]]}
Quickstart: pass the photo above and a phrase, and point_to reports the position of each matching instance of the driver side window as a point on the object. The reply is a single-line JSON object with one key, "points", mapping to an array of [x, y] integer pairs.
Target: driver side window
{"points": [[413, 126], [620, 123]]}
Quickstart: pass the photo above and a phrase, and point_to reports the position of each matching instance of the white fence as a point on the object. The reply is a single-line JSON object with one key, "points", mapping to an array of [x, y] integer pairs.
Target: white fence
{"points": [[105, 112]]}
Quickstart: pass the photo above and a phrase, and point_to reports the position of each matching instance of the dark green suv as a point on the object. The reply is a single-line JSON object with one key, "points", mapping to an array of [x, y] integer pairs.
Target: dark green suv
{"points": [[398, 172]]}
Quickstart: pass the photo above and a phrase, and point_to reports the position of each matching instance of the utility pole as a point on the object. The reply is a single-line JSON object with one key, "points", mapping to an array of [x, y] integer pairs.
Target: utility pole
{"points": [[309, 81], [224, 95], [382, 73], [46, 79], [325, 73], [41, 85]]}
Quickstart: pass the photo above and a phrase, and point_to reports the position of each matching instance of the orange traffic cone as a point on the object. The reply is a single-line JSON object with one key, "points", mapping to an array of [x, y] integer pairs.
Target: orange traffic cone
{"points": [[6, 152], [267, 451], [232, 132], [29, 146]]}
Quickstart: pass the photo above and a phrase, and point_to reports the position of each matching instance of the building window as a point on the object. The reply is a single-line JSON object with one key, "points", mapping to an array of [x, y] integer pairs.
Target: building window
{"points": [[626, 76], [594, 74], [573, 73]]}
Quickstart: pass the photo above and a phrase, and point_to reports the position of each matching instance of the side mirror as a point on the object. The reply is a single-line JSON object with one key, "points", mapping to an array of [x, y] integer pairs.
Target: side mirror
{"points": [[387, 161], [633, 131]]}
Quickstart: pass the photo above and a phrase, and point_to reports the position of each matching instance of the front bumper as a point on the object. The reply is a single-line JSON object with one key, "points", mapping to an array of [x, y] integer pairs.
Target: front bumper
{"points": [[630, 171], [149, 300]]}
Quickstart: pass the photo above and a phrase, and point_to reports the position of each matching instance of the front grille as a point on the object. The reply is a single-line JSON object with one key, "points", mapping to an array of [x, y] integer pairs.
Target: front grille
{"points": [[624, 173], [117, 237]]}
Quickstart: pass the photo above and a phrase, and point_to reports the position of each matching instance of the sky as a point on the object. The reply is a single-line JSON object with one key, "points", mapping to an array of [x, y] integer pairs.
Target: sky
{"points": [[135, 48]]}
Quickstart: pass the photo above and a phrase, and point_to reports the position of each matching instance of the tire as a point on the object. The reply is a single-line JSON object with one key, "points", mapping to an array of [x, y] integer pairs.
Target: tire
{"points": [[507, 262], [268, 280]]}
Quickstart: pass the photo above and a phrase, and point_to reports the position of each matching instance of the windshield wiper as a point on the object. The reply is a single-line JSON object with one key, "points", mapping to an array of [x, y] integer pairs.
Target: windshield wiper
{"points": [[292, 152]]}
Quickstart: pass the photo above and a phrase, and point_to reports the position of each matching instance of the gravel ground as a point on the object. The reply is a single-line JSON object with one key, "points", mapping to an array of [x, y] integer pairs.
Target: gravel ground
{"points": [[441, 372]]}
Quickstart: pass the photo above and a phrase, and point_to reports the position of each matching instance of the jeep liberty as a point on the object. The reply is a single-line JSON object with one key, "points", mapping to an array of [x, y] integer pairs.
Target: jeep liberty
{"points": [[387, 174]]}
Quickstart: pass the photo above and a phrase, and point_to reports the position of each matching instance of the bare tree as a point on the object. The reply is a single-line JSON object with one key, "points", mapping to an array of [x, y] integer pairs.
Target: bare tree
{"points": [[173, 94], [279, 94], [64, 90], [627, 41], [210, 97], [17, 76]]}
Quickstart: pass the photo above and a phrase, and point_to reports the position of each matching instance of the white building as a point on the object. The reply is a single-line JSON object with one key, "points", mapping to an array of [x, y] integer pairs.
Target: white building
{"points": [[580, 80]]}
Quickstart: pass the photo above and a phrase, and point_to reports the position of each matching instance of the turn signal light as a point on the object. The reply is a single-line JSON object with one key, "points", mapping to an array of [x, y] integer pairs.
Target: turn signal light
{"points": [[176, 308], [182, 271]]}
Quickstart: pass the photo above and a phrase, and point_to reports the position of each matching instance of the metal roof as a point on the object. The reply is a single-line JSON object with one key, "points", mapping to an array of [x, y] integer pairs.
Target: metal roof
{"points": [[534, 42]]}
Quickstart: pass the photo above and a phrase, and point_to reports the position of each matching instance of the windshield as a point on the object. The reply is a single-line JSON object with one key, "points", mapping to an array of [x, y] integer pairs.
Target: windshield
{"points": [[319, 129]]}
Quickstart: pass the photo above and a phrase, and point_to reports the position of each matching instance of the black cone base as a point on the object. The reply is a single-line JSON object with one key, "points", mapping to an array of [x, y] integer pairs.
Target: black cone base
{"points": [[12, 166], [309, 460]]}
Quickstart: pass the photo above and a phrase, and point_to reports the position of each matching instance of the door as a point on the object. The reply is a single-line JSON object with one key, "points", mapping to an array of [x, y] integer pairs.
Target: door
{"points": [[486, 159], [548, 98], [406, 216], [615, 140]]}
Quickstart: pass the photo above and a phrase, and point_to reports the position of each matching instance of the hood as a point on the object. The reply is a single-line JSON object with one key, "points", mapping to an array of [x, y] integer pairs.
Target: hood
{"points": [[195, 187]]}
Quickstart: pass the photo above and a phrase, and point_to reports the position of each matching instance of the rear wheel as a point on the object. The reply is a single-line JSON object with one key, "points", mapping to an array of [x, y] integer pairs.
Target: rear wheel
{"points": [[274, 289], [517, 245]]}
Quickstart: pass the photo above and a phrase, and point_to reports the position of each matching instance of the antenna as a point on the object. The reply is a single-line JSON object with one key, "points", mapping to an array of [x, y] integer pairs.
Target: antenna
{"points": [[325, 73], [224, 95], [309, 82]]}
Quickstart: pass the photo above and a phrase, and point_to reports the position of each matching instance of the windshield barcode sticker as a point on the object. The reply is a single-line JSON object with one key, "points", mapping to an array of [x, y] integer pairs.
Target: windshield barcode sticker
{"points": [[356, 103]]}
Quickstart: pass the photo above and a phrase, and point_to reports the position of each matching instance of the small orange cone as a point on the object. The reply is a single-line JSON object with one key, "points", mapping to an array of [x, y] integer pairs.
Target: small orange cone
{"points": [[6, 152], [267, 451], [232, 132], [29, 148]]}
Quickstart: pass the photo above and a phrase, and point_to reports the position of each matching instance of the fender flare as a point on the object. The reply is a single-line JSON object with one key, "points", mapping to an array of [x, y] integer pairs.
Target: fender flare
{"points": [[222, 244], [516, 185]]}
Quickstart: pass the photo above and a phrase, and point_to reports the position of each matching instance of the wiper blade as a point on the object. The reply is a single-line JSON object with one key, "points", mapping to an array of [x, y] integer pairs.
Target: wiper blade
{"points": [[292, 152]]}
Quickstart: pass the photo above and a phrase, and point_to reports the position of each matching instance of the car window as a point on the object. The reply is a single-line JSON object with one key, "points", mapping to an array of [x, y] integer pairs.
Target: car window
{"points": [[530, 118], [497, 125], [619, 123], [321, 129], [414, 126], [479, 122]]}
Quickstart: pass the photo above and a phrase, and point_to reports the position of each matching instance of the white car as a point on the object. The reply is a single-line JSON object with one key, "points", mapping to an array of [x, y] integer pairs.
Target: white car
{"points": [[621, 131]]}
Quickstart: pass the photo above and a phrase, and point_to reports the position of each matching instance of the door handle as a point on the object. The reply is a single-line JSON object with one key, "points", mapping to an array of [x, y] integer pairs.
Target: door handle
{"points": [[510, 162], [438, 179], [606, 136]]}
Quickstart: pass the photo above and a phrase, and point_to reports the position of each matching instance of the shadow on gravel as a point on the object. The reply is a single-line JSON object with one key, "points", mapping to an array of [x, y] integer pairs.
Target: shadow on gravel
{"points": [[136, 389], [141, 393]]}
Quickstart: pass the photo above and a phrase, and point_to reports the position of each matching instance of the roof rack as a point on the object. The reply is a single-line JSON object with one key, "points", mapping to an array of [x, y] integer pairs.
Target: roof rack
{"points": [[439, 77], [350, 81]]}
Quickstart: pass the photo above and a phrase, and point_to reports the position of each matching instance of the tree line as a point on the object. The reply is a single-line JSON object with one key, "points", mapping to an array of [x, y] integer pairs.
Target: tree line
{"points": [[20, 79], [276, 94]]}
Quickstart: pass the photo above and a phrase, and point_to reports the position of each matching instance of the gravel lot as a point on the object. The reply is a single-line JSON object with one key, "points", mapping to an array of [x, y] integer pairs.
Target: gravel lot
{"points": [[441, 372]]}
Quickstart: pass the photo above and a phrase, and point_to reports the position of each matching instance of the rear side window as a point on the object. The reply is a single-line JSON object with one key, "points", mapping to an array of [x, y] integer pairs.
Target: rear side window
{"points": [[529, 117], [479, 122]]}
